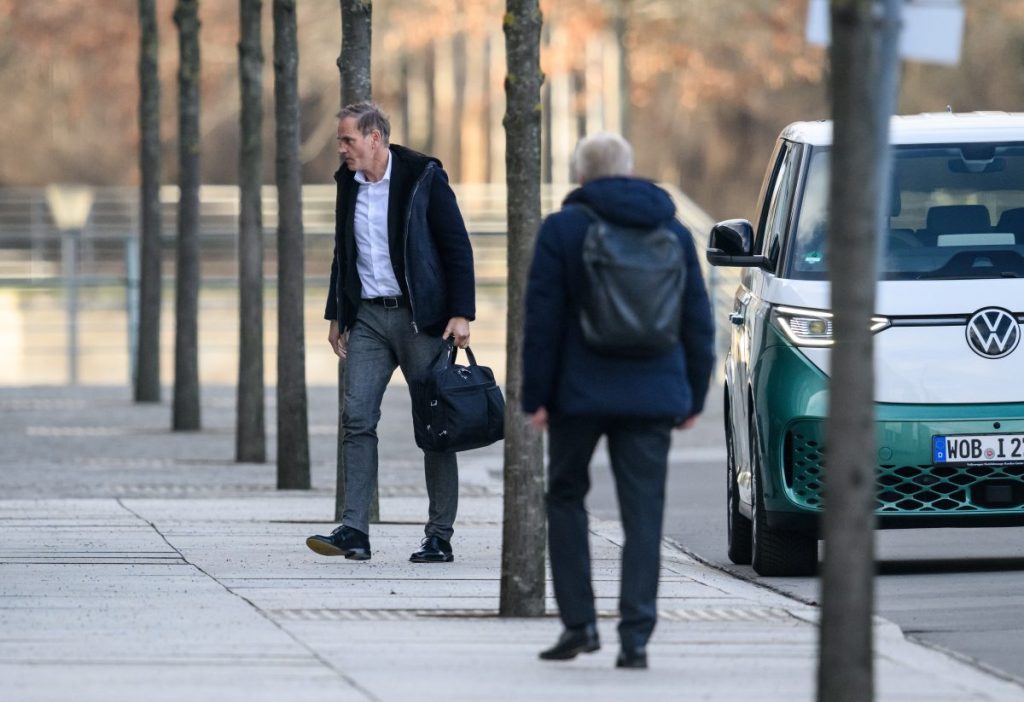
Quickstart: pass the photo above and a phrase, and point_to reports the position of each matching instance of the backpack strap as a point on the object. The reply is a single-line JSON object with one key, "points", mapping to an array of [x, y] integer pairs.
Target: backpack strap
{"points": [[586, 209]]}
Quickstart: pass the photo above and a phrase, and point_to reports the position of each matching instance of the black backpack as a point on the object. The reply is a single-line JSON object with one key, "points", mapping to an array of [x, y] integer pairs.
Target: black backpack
{"points": [[636, 278]]}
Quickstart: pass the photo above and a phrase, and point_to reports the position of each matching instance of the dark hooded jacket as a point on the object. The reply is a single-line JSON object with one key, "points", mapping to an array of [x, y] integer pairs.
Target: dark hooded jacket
{"points": [[428, 242], [560, 372]]}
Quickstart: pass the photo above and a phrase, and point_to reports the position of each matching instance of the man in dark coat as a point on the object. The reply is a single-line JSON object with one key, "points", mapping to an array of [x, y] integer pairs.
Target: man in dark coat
{"points": [[401, 282], [581, 395]]}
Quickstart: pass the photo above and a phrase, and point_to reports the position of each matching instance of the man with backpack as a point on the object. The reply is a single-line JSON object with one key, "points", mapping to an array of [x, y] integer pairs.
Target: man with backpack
{"points": [[618, 343]]}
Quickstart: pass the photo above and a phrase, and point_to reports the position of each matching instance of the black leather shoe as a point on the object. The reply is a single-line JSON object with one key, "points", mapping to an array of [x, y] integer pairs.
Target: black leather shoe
{"points": [[632, 658], [343, 541], [572, 642], [433, 549]]}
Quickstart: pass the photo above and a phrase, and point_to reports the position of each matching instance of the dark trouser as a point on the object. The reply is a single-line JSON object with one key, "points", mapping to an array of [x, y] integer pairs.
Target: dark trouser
{"points": [[381, 340], [639, 455]]}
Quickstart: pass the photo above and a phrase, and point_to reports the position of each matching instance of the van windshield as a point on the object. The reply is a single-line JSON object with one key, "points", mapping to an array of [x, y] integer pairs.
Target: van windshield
{"points": [[956, 211]]}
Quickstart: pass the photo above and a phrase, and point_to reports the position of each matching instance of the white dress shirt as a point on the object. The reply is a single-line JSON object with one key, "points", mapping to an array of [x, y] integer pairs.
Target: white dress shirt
{"points": [[373, 255]]}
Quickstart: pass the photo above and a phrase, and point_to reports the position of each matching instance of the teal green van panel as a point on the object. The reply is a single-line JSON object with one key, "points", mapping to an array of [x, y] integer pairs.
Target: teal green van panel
{"points": [[791, 396], [909, 484], [786, 385]]}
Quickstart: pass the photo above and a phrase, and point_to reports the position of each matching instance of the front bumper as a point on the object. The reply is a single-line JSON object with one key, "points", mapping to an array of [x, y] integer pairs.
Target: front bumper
{"points": [[912, 491]]}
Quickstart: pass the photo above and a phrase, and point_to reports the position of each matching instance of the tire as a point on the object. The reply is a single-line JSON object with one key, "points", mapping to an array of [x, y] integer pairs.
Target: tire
{"points": [[777, 552], [739, 530]]}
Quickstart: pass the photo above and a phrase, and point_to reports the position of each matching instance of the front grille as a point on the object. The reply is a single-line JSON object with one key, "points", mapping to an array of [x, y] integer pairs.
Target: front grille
{"points": [[905, 489], [807, 458]]}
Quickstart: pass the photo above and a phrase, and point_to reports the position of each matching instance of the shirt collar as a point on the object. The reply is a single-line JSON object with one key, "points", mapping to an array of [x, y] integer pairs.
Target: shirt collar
{"points": [[361, 179]]}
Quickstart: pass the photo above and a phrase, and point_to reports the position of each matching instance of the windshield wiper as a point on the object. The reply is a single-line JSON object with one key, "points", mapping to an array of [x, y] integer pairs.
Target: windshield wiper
{"points": [[967, 276]]}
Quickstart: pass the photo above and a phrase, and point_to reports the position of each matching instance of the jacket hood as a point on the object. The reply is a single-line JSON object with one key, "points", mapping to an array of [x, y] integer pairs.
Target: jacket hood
{"points": [[628, 202]]}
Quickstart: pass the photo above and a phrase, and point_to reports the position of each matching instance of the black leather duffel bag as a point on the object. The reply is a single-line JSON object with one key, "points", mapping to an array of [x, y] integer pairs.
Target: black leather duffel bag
{"points": [[456, 408]]}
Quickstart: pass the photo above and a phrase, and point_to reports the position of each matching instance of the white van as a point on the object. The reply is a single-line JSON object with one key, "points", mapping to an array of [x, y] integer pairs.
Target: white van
{"points": [[949, 368]]}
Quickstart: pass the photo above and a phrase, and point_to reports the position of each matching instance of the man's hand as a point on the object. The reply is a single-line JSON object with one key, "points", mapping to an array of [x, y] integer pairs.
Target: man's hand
{"points": [[458, 329], [688, 422], [539, 419], [337, 340]]}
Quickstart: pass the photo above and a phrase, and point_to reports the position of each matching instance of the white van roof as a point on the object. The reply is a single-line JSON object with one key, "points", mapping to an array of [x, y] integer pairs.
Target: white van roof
{"points": [[929, 128]]}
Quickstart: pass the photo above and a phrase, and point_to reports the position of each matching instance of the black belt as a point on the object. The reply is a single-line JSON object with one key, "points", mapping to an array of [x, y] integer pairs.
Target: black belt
{"points": [[390, 303]]}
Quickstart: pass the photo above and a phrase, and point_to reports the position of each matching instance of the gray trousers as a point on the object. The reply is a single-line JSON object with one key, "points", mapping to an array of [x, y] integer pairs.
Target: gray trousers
{"points": [[381, 340], [639, 455]]}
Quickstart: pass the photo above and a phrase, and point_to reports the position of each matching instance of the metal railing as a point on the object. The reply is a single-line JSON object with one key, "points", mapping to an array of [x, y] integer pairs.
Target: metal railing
{"points": [[30, 242], [33, 256]]}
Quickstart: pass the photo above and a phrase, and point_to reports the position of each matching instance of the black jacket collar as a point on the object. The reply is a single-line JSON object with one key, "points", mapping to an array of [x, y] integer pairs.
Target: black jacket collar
{"points": [[406, 167]]}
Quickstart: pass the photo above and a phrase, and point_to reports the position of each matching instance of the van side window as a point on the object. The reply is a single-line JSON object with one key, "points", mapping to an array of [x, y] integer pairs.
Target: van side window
{"points": [[780, 205]]}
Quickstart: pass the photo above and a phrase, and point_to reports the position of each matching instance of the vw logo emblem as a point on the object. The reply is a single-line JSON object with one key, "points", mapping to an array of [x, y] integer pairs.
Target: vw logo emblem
{"points": [[993, 332]]}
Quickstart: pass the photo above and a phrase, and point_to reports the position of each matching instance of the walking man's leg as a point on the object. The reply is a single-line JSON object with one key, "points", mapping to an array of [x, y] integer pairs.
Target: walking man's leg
{"points": [[416, 351], [370, 365], [639, 456], [571, 442]]}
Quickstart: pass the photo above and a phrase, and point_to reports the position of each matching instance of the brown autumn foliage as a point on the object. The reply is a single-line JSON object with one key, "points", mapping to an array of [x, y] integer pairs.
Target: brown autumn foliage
{"points": [[712, 83]]}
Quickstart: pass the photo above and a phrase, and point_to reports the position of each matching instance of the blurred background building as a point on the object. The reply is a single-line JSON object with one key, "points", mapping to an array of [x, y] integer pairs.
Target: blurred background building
{"points": [[701, 88]]}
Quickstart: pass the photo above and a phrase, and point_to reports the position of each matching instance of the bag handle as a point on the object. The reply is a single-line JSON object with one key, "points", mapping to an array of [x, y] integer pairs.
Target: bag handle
{"points": [[453, 352]]}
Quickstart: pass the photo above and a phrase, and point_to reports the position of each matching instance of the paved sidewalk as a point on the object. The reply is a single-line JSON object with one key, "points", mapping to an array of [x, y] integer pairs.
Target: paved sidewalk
{"points": [[136, 564]]}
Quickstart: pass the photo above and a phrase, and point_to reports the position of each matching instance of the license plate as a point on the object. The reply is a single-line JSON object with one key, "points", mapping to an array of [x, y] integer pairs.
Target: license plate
{"points": [[978, 448]]}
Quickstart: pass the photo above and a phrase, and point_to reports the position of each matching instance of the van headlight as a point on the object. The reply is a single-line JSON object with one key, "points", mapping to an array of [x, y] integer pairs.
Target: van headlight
{"points": [[806, 327]]}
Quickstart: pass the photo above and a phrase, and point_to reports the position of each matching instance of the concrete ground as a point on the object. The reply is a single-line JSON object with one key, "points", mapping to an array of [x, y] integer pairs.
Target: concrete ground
{"points": [[136, 563]]}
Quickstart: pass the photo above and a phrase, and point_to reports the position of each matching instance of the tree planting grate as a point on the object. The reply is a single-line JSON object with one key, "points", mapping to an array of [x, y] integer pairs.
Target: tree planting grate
{"points": [[166, 490], [62, 432], [709, 614], [38, 403]]}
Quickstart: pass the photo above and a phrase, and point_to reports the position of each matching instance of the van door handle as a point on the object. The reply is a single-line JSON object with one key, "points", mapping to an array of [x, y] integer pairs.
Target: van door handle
{"points": [[736, 318]]}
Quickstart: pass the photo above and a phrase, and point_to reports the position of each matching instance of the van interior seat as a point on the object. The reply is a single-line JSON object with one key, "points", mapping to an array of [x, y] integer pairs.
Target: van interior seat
{"points": [[954, 219], [1012, 220]]}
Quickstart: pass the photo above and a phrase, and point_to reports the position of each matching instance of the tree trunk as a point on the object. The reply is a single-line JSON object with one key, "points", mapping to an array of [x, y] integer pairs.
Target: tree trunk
{"points": [[863, 58], [339, 490], [356, 86], [250, 426], [403, 99], [186, 337], [292, 420], [579, 104], [625, 96], [488, 110], [456, 167], [147, 351], [496, 73], [356, 51], [547, 150], [430, 78], [522, 552]]}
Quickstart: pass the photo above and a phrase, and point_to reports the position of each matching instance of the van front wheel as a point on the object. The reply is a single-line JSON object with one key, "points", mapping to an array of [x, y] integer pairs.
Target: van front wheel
{"points": [[777, 552], [738, 527]]}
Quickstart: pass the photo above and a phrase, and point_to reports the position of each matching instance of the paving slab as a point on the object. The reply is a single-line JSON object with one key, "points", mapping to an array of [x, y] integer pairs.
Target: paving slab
{"points": [[139, 564]]}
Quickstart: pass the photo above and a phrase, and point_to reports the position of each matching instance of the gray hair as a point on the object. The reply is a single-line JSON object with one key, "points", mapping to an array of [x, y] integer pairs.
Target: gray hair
{"points": [[368, 116], [602, 155]]}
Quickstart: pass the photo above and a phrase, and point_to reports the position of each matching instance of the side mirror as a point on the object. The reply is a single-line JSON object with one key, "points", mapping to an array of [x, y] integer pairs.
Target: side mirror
{"points": [[732, 244]]}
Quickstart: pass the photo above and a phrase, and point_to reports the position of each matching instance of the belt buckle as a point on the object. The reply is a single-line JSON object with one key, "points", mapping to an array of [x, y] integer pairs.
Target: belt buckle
{"points": [[390, 303]]}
